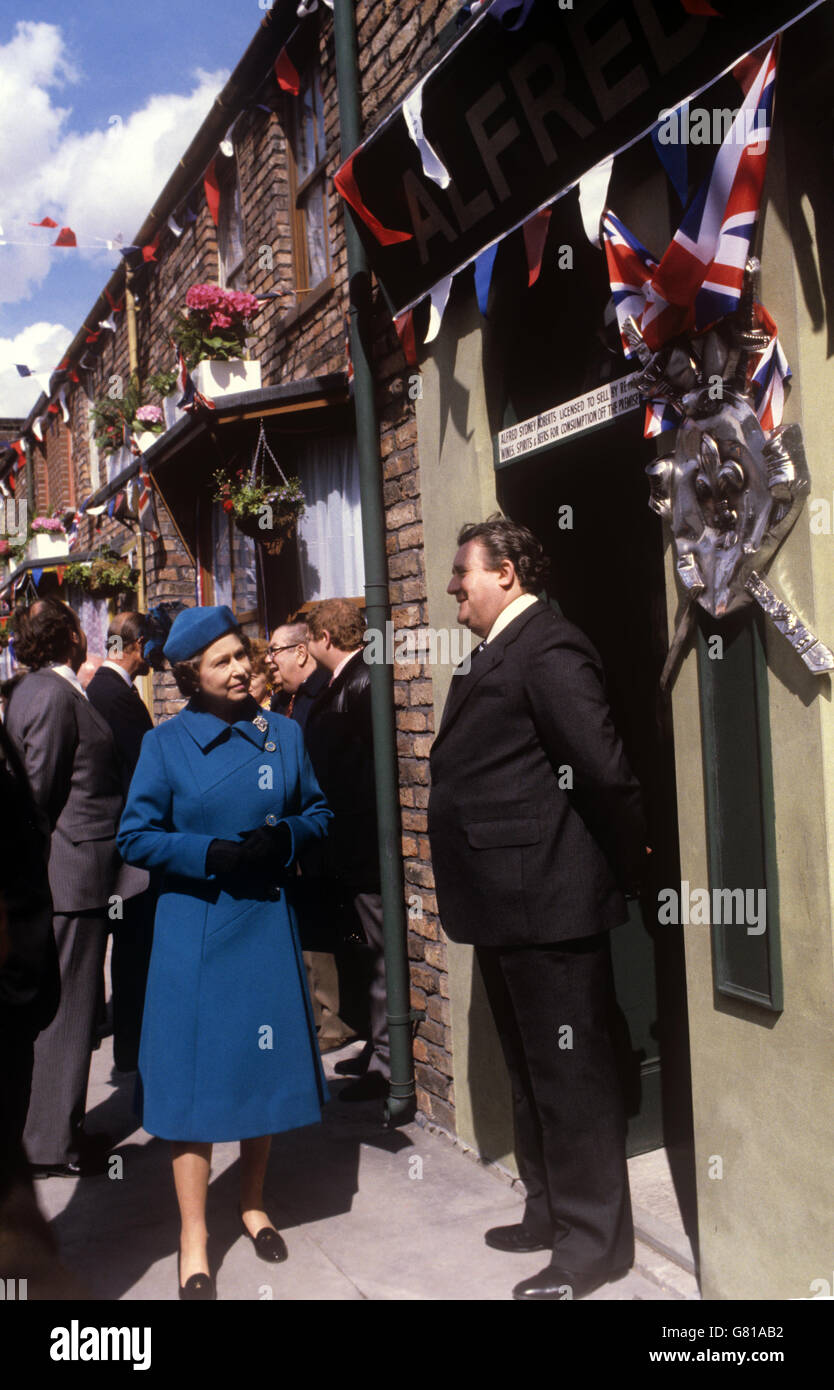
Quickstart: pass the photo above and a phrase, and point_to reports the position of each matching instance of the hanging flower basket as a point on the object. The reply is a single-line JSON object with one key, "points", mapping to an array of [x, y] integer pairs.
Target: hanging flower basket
{"points": [[266, 511], [105, 577]]}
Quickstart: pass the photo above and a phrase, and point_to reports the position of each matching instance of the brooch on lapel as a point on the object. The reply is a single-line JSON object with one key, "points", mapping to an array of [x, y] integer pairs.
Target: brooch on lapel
{"points": [[260, 723]]}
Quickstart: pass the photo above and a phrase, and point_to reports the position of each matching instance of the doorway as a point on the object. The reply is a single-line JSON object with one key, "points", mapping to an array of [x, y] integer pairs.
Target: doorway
{"points": [[586, 500]]}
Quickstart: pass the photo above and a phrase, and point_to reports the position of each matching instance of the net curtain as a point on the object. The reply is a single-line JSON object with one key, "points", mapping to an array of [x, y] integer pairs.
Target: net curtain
{"points": [[330, 556]]}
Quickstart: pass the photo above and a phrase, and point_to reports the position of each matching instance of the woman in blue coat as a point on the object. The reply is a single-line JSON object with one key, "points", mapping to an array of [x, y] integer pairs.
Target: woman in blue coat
{"points": [[222, 802]]}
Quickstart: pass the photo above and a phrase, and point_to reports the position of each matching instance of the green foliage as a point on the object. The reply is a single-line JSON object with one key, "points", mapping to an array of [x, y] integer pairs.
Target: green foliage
{"points": [[198, 344], [107, 575], [246, 498], [161, 383], [110, 415]]}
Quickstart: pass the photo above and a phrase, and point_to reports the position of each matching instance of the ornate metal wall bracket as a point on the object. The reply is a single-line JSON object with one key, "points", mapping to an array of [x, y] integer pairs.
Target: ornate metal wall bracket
{"points": [[731, 491]]}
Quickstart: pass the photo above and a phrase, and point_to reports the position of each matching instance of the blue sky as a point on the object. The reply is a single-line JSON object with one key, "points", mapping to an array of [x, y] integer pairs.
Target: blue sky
{"points": [[66, 73]]}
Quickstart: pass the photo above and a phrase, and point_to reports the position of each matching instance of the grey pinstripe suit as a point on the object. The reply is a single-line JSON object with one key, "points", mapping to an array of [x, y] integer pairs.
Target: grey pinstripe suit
{"points": [[70, 758]]}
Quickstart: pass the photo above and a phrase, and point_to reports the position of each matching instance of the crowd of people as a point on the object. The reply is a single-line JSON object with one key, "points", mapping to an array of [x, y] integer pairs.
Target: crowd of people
{"points": [[232, 853]]}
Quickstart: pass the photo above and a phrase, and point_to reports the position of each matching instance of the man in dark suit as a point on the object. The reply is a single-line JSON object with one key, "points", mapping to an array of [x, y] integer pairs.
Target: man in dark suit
{"points": [[67, 751], [113, 693], [536, 830], [340, 743], [296, 676], [297, 681]]}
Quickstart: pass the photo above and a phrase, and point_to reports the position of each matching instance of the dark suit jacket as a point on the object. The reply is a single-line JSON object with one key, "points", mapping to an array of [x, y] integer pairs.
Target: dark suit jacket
{"points": [[520, 856], [29, 980], [70, 759], [339, 738], [121, 705]]}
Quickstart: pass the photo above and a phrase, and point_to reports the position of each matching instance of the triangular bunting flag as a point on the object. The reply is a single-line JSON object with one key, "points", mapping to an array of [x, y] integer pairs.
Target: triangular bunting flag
{"points": [[286, 73], [484, 266], [404, 324], [345, 181], [535, 236], [212, 191], [66, 237], [439, 299], [44, 222]]}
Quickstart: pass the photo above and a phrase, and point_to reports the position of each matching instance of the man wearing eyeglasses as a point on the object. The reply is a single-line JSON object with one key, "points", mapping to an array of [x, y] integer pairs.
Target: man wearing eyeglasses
{"points": [[297, 677]]}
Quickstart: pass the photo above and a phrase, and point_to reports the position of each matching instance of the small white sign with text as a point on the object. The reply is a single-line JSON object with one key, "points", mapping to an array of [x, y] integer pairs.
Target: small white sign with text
{"points": [[572, 417]]}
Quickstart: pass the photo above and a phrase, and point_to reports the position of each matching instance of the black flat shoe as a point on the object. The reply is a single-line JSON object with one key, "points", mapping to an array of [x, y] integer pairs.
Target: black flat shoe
{"points": [[515, 1240], [371, 1086], [269, 1245], [199, 1288]]}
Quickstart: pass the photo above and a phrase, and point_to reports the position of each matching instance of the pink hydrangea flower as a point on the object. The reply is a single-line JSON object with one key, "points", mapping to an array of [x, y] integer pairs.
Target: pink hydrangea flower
{"points": [[150, 413]]}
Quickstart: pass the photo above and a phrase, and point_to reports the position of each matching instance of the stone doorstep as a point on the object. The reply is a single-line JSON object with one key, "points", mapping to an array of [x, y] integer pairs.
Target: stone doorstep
{"points": [[663, 1238], [653, 1236]]}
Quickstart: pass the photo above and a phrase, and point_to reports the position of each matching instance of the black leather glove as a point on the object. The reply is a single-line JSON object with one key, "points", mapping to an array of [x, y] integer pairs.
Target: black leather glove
{"points": [[269, 844], [224, 857]]}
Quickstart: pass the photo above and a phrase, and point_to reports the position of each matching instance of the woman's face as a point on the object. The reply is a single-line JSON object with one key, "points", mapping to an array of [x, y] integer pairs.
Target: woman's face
{"points": [[258, 686], [225, 669]]}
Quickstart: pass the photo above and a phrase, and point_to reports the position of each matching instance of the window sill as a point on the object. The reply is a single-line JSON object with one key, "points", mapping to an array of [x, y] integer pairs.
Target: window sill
{"points": [[312, 299]]}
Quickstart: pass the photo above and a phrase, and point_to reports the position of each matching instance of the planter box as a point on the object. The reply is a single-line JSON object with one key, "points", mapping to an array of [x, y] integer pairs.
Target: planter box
{"points": [[46, 547], [214, 378], [147, 438]]}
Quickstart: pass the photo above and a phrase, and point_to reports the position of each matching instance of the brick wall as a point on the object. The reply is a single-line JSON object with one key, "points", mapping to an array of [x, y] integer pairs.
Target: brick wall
{"points": [[293, 342]]}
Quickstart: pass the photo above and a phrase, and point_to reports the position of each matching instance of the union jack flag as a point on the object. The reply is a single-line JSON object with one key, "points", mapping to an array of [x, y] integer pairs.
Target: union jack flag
{"points": [[145, 505], [191, 399], [700, 277], [769, 376], [72, 534]]}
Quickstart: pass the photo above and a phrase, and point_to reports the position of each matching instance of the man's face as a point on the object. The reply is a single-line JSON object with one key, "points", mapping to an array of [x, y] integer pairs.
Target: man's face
{"points": [[479, 592], [134, 660], [290, 663], [318, 647]]}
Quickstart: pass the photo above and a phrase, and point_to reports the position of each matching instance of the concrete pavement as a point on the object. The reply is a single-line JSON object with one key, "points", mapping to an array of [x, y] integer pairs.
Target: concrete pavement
{"points": [[367, 1213]]}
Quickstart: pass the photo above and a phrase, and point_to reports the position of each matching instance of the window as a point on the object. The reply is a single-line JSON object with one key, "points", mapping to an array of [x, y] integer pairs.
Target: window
{"points": [[308, 185], [231, 236], [330, 558], [95, 462]]}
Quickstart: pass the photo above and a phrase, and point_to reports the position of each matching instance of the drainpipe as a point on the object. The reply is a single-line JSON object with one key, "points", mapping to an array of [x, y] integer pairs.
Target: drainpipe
{"points": [[401, 1103], [133, 366]]}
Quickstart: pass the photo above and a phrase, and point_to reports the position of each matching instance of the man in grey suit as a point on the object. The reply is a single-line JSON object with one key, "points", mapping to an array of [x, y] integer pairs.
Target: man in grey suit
{"points": [[70, 759]]}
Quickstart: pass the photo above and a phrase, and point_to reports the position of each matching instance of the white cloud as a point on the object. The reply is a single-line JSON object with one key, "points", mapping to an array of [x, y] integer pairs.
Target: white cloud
{"points": [[41, 347], [100, 182]]}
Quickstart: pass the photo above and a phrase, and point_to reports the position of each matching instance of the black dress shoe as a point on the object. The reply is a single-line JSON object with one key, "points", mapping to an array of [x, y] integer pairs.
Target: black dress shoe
{"points": [[355, 1066], [516, 1239], [351, 1066], [269, 1245], [199, 1288], [559, 1285], [372, 1086]]}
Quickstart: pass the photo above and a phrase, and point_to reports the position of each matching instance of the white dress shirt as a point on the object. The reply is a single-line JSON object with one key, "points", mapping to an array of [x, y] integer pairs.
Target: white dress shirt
{"points": [[68, 674], [114, 666], [512, 610]]}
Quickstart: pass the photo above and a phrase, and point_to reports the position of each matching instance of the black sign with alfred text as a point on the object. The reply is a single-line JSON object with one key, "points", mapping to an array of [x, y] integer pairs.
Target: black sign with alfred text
{"points": [[517, 116]]}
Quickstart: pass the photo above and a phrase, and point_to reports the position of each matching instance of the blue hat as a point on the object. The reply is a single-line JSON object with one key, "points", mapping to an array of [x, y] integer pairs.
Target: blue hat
{"points": [[195, 628]]}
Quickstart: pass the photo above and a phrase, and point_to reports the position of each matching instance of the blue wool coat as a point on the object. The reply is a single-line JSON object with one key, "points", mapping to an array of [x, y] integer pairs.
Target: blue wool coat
{"points": [[228, 1048]]}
